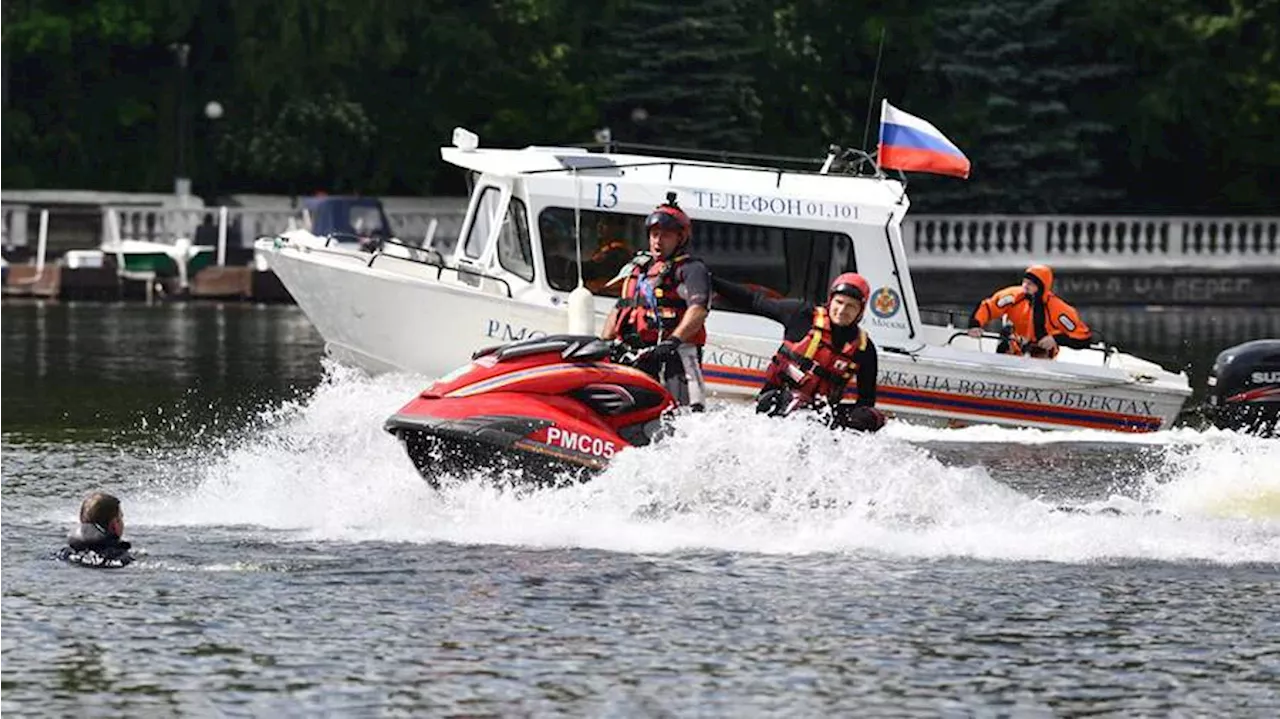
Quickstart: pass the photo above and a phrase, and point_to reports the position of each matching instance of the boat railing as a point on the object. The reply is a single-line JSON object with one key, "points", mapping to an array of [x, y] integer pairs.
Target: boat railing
{"points": [[430, 260], [375, 242], [413, 250], [464, 273], [1100, 343], [839, 161]]}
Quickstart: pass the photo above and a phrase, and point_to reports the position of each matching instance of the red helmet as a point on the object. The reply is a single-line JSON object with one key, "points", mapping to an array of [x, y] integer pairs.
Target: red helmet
{"points": [[669, 216], [851, 284]]}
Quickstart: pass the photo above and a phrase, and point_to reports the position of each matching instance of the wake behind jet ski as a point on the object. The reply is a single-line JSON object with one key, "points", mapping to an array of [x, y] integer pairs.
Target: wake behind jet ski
{"points": [[557, 408]]}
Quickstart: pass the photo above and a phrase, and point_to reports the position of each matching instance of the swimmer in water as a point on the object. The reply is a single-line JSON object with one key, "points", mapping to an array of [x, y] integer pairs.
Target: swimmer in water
{"points": [[96, 541]]}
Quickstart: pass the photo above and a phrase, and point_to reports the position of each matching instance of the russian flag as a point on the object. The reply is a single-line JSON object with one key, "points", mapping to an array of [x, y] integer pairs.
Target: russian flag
{"points": [[909, 143]]}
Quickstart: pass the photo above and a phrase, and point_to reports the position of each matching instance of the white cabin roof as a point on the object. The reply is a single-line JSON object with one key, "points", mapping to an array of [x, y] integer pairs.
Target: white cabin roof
{"points": [[673, 171]]}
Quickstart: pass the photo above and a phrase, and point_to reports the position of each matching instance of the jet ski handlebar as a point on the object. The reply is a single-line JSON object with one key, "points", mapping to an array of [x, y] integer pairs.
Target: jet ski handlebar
{"points": [[573, 348], [582, 348]]}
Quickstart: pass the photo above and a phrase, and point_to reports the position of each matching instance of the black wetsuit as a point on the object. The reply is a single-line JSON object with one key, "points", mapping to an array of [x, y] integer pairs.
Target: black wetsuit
{"points": [[796, 317], [90, 545]]}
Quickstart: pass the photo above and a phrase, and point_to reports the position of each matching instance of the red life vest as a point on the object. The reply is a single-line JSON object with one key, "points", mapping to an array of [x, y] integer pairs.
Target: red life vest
{"points": [[641, 320], [812, 366]]}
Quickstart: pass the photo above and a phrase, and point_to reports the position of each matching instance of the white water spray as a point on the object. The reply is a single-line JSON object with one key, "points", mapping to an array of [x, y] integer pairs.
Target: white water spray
{"points": [[727, 480]]}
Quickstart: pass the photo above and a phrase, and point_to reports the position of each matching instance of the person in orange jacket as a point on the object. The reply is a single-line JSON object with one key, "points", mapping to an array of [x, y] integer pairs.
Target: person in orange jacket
{"points": [[612, 252], [1041, 321]]}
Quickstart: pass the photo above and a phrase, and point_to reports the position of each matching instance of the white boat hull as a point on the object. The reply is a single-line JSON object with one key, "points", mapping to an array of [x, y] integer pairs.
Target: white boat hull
{"points": [[403, 316]]}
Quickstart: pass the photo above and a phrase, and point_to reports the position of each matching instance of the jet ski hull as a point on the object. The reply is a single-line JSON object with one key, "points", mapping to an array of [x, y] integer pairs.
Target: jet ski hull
{"points": [[495, 447], [545, 411]]}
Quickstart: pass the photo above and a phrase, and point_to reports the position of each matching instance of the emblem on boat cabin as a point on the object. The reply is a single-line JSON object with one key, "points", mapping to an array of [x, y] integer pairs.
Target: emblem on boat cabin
{"points": [[885, 302]]}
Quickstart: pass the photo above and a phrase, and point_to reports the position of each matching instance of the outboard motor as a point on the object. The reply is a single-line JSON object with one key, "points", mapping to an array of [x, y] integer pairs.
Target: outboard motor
{"points": [[1244, 388]]}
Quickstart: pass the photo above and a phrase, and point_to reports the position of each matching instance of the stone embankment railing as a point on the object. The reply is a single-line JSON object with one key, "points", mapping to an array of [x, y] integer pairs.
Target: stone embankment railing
{"points": [[411, 219], [933, 242], [13, 231], [244, 225], [1091, 242]]}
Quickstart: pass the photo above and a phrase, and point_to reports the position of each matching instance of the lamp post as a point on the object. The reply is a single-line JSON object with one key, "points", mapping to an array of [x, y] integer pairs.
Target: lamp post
{"points": [[639, 116], [181, 182], [213, 111]]}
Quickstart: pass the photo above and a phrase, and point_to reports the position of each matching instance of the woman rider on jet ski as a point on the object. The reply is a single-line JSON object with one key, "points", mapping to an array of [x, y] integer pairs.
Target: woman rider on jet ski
{"points": [[823, 349]]}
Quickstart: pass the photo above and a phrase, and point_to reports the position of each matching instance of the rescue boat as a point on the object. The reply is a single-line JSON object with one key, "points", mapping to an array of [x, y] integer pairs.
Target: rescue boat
{"points": [[532, 261]]}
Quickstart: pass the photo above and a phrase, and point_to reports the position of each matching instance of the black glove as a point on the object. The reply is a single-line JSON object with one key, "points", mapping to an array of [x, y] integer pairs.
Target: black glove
{"points": [[771, 402], [666, 348], [866, 419], [779, 402]]}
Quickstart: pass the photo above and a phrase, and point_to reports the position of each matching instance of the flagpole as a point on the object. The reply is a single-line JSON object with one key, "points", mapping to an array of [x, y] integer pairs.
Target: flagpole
{"points": [[884, 103]]}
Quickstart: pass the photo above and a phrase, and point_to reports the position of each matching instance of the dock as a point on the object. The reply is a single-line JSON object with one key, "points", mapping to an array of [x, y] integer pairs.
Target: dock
{"points": [[57, 243]]}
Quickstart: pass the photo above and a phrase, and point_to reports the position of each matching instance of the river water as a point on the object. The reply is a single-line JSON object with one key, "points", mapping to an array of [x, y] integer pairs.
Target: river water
{"points": [[297, 566]]}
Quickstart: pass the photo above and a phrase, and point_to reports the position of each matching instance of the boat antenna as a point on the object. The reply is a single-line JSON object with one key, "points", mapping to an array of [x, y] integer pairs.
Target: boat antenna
{"points": [[866, 128], [577, 219], [580, 305]]}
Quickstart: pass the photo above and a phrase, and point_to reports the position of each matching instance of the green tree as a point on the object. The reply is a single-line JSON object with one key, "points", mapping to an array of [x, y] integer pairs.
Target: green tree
{"points": [[820, 63], [1009, 79], [88, 88], [312, 144], [1105, 105], [417, 70], [678, 73], [1198, 101]]}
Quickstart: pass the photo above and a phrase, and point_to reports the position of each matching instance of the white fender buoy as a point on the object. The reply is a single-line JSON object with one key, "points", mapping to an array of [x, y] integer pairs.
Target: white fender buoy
{"points": [[582, 311]]}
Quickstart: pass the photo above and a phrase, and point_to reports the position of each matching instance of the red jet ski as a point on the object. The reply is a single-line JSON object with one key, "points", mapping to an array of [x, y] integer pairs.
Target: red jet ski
{"points": [[558, 407]]}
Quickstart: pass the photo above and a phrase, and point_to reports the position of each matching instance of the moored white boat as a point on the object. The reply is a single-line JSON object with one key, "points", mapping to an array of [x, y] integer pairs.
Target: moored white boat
{"points": [[788, 230]]}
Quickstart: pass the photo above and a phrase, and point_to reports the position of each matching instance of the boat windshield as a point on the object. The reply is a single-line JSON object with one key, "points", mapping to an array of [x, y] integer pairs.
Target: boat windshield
{"points": [[781, 261], [365, 221], [360, 217]]}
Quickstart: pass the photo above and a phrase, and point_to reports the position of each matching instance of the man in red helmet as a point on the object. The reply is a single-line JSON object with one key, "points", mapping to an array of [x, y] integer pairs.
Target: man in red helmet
{"points": [[823, 350], [1040, 321], [663, 306]]}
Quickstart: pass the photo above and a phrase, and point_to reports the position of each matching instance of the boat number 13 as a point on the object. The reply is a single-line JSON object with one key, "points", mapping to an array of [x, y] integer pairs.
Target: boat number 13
{"points": [[606, 195]]}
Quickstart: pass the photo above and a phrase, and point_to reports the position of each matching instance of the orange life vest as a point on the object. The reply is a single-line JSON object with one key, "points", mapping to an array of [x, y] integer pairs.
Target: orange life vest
{"points": [[610, 247], [1060, 318], [644, 316], [812, 366]]}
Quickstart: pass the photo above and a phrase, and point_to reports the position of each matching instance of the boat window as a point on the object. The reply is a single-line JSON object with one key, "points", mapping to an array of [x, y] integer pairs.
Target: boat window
{"points": [[486, 215], [781, 261], [515, 252], [609, 240]]}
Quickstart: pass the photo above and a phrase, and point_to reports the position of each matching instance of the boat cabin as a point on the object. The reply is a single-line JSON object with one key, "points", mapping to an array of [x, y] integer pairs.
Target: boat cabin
{"points": [[535, 211]]}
